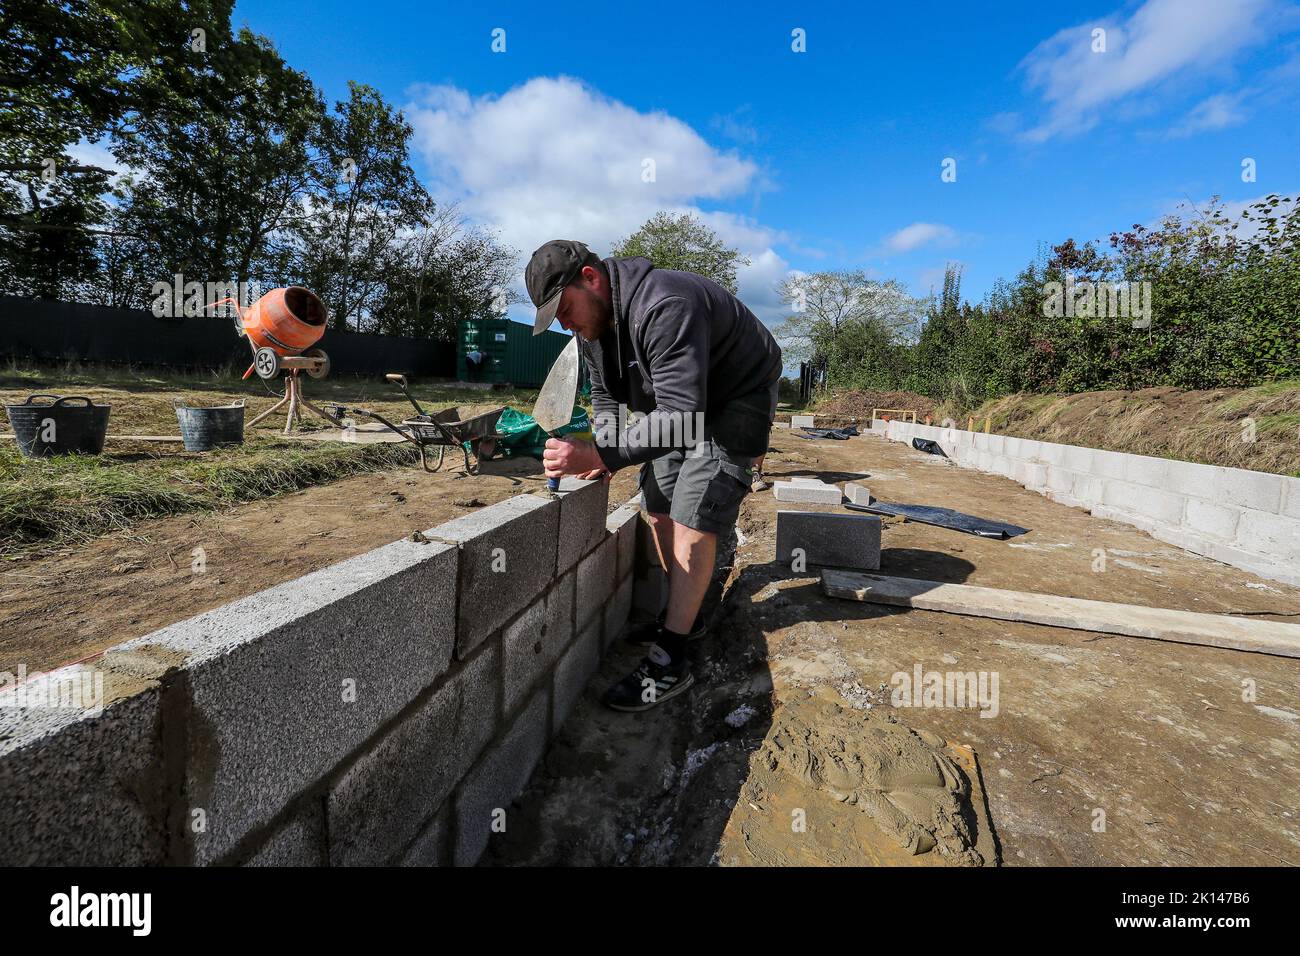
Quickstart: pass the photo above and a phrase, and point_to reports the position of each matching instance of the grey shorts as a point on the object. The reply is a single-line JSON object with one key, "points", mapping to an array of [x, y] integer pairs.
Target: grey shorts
{"points": [[702, 487]]}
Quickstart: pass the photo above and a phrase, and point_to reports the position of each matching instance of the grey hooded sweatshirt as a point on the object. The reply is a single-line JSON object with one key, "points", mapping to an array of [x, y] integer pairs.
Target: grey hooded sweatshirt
{"points": [[679, 343]]}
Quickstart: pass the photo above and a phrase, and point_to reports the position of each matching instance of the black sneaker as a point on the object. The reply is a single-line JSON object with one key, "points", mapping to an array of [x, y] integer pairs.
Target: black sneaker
{"points": [[655, 680], [646, 633]]}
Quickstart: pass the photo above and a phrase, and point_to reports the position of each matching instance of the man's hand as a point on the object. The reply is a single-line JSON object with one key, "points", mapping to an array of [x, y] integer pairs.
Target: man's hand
{"points": [[571, 456]]}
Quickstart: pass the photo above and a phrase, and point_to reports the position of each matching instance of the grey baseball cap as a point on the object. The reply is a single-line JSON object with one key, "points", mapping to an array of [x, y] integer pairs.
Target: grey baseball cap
{"points": [[552, 267]]}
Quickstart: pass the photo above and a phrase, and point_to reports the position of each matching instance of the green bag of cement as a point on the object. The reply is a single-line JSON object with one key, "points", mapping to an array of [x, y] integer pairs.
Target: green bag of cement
{"points": [[521, 435]]}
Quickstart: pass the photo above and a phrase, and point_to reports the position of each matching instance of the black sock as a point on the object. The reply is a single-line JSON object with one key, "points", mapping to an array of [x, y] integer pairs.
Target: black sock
{"points": [[674, 644]]}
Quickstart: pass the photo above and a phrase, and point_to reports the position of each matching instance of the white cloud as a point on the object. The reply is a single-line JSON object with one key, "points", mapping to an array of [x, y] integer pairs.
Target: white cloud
{"points": [[1215, 112], [1160, 40], [554, 158], [920, 234]]}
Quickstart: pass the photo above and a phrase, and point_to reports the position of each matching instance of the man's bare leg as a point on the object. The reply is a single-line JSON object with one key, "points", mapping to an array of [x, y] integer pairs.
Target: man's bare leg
{"points": [[687, 556], [662, 526], [693, 553]]}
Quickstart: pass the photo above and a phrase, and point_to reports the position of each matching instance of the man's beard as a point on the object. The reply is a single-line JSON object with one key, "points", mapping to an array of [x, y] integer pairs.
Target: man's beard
{"points": [[606, 317]]}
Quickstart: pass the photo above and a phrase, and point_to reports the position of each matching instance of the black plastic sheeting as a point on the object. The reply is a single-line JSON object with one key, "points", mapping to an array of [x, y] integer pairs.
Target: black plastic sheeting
{"points": [[839, 434], [929, 447], [945, 518]]}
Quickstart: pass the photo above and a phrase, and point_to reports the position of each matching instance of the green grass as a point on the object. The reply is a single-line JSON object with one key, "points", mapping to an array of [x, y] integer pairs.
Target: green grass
{"points": [[46, 503], [1249, 397], [50, 503]]}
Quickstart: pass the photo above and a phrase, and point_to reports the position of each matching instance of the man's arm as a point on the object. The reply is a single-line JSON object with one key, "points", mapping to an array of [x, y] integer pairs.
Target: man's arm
{"points": [[603, 406], [676, 336]]}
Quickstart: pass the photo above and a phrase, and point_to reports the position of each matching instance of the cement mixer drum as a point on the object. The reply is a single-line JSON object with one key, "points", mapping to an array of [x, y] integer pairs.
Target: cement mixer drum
{"points": [[287, 321]]}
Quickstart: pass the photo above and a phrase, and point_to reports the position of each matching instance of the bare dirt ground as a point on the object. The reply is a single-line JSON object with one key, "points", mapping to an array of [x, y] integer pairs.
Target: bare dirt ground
{"points": [[860, 403], [1103, 750], [82, 600]]}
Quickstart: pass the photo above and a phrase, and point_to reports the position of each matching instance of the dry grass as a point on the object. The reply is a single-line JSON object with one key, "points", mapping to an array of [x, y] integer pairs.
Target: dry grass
{"points": [[1211, 426]]}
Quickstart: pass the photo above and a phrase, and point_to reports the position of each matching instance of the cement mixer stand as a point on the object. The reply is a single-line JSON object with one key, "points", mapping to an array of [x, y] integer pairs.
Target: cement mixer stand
{"points": [[270, 364]]}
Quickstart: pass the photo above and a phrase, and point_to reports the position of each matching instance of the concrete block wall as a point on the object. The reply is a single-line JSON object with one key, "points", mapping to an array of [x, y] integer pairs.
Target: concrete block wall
{"points": [[1247, 519], [384, 710]]}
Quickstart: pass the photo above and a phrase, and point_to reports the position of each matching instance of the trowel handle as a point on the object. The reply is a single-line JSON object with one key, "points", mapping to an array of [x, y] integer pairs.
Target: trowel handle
{"points": [[552, 484]]}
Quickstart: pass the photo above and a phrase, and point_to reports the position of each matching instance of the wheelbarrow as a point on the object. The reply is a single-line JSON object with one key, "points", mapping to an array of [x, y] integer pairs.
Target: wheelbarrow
{"points": [[440, 430]]}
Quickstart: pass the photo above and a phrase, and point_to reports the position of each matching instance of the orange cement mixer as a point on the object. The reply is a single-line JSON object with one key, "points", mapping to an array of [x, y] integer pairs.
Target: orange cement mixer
{"points": [[282, 328], [286, 321]]}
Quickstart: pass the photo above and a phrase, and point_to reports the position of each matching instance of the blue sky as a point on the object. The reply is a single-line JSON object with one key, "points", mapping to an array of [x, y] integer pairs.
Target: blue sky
{"points": [[829, 158]]}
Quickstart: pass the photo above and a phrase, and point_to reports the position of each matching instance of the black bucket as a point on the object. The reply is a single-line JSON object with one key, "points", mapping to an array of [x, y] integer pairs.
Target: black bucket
{"points": [[61, 426], [203, 429]]}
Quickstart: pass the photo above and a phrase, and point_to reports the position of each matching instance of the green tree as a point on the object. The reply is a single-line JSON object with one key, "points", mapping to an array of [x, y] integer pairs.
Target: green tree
{"points": [[365, 197], [441, 274], [221, 161], [859, 326], [69, 71], [686, 244]]}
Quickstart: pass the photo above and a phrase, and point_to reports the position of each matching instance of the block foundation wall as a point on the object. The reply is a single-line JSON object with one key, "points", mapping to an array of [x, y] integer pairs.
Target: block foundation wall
{"points": [[1247, 519], [384, 710]]}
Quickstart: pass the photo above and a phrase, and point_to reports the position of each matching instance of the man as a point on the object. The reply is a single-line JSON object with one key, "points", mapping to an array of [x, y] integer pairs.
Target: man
{"points": [[687, 353]]}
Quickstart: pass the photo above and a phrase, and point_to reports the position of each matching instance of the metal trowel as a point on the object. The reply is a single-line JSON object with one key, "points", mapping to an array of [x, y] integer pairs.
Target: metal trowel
{"points": [[554, 408]]}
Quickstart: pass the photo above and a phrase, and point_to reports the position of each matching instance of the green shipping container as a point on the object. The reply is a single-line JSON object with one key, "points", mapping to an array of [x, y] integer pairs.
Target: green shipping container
{"points": [[506, 352]]}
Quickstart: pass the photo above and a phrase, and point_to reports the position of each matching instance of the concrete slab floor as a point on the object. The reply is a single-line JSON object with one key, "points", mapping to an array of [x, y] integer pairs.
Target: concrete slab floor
{"points": [[1103, 750]]}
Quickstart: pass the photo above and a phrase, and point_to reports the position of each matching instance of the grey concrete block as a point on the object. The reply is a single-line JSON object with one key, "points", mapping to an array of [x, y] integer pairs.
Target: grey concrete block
{"points": [[1161, 506], [1291, 497], [595, 583], [801, 421], [1145, 470], [803, 480], [379, 804], [1190, 478], [484, 797], [1077, 458], [1031, 474], [299, 841], [507, 557], [532, 643], [618, 611], [1210, 519], [83, 789], [836, 540], [625, 523], [807, 494], [574, 672], [1270, 535], [858, 494], [433, 846], [1248, 489], [272, 691], [583, 505]]}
